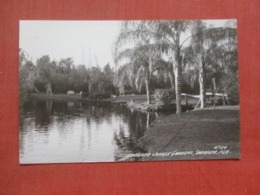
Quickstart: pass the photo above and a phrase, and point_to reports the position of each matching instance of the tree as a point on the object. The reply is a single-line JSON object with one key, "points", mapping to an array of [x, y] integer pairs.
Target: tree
{"points": [[225, 61], [96, 84], [108, 78], [207, 51], [200, 48], [22, 57], [27, 76], [74, 80], [65, 66], [45, 72], [83, 77], [167, 36], [142, 61], [165, 70], [122, 78]]}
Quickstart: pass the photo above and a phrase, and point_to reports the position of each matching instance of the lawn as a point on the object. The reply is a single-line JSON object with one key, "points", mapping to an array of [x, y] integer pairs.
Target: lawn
{"points": [[202, 134]]}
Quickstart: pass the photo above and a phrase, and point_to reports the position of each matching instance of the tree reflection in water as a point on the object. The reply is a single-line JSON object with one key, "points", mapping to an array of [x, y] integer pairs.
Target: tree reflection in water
{"points": [[136, 124], [102, 132]]}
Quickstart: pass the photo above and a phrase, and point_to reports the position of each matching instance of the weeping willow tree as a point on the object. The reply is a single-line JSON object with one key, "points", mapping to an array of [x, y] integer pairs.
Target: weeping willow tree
{"points": [[164, 35], [206, 53]]}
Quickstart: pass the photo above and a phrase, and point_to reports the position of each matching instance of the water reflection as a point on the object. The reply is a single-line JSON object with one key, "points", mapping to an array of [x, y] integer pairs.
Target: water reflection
{"points": [[78, 131]]}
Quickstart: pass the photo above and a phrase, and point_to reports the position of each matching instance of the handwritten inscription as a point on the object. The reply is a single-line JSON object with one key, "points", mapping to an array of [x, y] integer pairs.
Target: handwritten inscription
{"points": [[219, 147], [216, 150]]}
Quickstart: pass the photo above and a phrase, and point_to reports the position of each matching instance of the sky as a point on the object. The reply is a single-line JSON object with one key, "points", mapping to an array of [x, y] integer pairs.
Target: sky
{"points": [[86, 42], [75, 39]]}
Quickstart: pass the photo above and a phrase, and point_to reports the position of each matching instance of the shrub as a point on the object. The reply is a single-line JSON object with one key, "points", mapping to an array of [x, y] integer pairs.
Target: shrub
{"points": [[164, 96]]}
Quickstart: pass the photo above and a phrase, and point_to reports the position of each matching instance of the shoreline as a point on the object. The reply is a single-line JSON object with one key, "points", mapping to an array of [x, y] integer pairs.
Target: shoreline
{"points": [[62, 97], [153, 107], [189, 136], [137, 102]]}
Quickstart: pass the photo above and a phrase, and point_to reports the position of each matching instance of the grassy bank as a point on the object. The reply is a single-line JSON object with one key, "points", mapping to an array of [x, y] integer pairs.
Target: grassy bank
{"points": [[200, 134]]}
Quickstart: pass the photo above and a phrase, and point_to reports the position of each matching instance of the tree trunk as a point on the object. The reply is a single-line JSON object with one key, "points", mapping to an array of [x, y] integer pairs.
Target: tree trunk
{"points": [[148, 120], [178, 90], [148, 90], [148, 78], [202, 84], [171, 76], [178, 81], [48, 88], [214, 85]]}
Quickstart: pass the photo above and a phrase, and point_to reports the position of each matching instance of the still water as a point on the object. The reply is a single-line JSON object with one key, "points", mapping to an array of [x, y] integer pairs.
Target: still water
{"points": [[53, 132]]}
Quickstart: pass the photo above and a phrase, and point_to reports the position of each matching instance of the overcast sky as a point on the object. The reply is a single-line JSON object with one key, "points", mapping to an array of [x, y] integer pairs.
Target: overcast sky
{"points": [[76, 39], [84, 41]]}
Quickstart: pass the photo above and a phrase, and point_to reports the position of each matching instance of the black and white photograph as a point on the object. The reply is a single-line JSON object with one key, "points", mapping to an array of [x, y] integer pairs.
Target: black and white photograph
{"points": [[128, 90]]}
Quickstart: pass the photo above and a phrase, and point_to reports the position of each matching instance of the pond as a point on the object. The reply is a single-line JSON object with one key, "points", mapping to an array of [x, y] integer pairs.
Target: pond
{"points": [[59, 132]]}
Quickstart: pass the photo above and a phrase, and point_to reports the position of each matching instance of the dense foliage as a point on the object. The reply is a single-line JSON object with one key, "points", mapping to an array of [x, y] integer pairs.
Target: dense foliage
{"points": [[49, 77], [184, 56], [192, 56]]}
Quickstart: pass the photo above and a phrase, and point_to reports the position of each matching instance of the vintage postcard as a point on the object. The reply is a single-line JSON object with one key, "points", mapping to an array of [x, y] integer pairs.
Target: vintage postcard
{"points": [[119, 91]]}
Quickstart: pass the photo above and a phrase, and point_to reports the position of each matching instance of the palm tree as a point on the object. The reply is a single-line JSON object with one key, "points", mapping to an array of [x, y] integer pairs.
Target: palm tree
{"points": [[165, 71], [166, 35], [143, 59], [207, 50]]}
